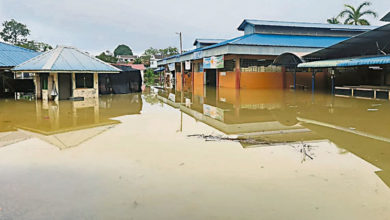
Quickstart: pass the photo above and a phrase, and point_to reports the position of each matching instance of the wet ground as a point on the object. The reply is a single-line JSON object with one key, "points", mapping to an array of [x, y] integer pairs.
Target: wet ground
{"points": [[221, 154]]}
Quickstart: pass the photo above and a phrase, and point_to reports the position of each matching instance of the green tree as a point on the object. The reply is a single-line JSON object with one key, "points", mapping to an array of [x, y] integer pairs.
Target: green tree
{"points": [[333, 20], [107, 58], [138, 60], [151, 51], [355, 16], [149, 77], [14, 32], [122, 50], [35, 45]]}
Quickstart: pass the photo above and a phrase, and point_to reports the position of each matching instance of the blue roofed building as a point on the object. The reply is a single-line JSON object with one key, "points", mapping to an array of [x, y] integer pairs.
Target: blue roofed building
{"points": [[65, 72], [11, 56], [247, 61]]}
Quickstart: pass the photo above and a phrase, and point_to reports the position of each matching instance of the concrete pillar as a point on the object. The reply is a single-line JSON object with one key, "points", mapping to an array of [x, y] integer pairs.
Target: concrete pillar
{"points": [[295, 78], [37, 83], [332, 76], [313, 81], [238, 74], [96, 84]]}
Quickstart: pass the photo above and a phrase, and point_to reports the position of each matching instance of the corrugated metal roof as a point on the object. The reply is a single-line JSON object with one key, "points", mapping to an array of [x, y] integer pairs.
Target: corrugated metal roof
{"points": [[366, 61], [281, 40], [11, 55], [322, 63], [347, 62], [304, 24], [366, 44], [386, 17], [64, 58]]}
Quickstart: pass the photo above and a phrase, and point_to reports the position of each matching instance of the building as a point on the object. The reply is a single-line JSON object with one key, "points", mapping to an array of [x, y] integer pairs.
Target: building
{"points": [[358, 66], [126, 58], [129, 80], [11, 56], [204, 42], [247, 61], [64, 73]]}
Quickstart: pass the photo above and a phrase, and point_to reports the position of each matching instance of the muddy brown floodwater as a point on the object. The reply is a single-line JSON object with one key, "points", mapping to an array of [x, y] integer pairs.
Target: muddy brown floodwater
{"points": [[221, 154]]}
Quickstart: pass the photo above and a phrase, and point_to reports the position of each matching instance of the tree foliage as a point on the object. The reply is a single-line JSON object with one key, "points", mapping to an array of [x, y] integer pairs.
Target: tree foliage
{"points": [[169, 51], [138, 60], [354, 16], [14, 32], [123, 50], [107, 58], [149, 77], [334, 20], [35, 45]]}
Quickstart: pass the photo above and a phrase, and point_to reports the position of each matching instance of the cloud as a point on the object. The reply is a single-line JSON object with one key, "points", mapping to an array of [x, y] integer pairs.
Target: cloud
{"points": [[97, 25]]}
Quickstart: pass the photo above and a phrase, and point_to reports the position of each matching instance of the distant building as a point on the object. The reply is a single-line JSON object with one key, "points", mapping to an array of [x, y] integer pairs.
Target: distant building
{"points": [[64, 73], [126, 58], [154, 59], [11, 56], [202, 42]]}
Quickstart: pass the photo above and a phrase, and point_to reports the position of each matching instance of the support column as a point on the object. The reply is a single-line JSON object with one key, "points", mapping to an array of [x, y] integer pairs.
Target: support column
{"points": [[332, 76], [238, 74], [313, 81], [96, 84], [295, 78]]}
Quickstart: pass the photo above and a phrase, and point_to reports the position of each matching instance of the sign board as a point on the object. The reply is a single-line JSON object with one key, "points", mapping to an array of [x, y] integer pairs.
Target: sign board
{"points": [[188, 65], [213, 112], [171, 67], [214, 62]]}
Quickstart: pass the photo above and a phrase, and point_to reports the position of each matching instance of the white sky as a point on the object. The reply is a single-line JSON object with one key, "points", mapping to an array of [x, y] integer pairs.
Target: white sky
{"points": [[98, 25]]}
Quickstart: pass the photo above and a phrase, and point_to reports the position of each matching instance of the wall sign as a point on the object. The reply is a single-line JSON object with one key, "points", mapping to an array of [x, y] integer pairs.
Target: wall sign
{"points": [[214, 62]]}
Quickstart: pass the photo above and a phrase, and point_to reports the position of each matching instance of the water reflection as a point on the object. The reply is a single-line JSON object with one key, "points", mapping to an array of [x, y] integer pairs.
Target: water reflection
{"points": [[65, 123], [359, 126]]}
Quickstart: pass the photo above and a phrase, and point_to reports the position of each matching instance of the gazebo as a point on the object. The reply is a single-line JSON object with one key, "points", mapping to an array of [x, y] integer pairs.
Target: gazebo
{"points": [[65, 73]]}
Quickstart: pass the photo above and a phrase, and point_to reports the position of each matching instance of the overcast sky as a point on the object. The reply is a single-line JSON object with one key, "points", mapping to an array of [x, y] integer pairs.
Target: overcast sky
{"points": [[98, 25]]}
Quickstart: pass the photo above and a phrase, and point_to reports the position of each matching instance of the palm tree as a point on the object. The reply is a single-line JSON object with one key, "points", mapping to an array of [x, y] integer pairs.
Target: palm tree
{"points": [[354, 16], [333, 20]]}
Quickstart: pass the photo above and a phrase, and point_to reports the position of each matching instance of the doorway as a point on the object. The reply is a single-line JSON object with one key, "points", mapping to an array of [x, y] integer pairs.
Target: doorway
{"points": [[64, 86], [211, 77]]}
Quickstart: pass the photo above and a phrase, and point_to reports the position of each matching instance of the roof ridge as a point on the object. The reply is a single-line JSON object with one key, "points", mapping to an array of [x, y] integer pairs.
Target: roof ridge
{"points": [[51, 61], [96, 59]]}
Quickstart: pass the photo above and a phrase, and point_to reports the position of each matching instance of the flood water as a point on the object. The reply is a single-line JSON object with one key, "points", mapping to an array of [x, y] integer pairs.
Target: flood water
{"points": [[206, 154]]}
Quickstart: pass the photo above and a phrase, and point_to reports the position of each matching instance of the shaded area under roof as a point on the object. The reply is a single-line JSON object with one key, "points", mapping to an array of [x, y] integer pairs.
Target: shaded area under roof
{"points": [[369, 43], [65, 59], [304, 25], [11, 55]]}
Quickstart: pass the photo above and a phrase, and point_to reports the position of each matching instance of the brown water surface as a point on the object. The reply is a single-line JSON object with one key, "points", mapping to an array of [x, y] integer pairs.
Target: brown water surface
{"points": [[207, 154]]}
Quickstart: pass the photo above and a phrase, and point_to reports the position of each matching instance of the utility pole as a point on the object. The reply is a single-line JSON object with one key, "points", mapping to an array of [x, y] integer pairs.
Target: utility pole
{"points": [[181, 67]]}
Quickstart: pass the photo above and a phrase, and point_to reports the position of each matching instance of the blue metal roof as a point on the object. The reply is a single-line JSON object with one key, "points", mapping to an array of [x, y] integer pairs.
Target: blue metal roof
{"points": [[11, 55], [305, 25], [281, 40], [348, 62], [65, 59], [366, 61]]}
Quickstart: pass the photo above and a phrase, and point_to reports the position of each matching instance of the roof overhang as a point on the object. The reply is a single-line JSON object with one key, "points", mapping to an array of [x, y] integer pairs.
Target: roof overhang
{"points": [[348, 62], [63, 71], [366, 44], [386, 17], [289, 59]]}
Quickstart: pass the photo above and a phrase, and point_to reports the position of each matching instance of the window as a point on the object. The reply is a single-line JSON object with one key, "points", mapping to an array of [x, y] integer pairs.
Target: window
{"points": [[229, 66], [84, 80], [261, 65]]}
